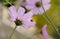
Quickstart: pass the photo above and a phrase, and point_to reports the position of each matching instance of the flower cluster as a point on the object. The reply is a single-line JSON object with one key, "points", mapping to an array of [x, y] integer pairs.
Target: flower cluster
{"points": [[36, 5], [21, 17]]}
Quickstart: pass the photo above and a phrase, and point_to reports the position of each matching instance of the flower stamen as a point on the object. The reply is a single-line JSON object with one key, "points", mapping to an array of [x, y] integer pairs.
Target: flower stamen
{"points": [[38, 4], [18, 22]]}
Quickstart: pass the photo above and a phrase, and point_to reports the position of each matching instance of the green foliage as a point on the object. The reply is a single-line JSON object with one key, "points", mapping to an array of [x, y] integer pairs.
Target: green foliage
{"points": [[54, 15], [8, 3]]}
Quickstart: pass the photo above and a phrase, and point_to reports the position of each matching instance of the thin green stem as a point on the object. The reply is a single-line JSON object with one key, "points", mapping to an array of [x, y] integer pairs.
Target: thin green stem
{"points": [[8, 2], [49, 20], [12, 32]]}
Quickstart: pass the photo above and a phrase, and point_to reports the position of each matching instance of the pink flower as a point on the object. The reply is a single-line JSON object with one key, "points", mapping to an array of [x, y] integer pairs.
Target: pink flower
{"points": [[24, 18], [44, 31], [35, 5]]}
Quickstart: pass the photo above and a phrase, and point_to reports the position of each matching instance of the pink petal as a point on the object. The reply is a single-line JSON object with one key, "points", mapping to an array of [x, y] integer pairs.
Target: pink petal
{"points": [[12, 13], [32, 1], [41, 10], [44, 31], [23, 3], [27, 16], [45, 1], [38, 10], [46, 7], [35, 11], [28, 24], [21, 12], [30, 7]]}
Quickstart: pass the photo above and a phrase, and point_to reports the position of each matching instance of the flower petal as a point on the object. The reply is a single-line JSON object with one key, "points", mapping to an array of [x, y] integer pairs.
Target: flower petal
{"points": [[28, 24], [23, 3], [46, 7], [41, 10], [44, 31], [30, 7], [38, 11], [12, 13], [21, 12], [45, 1], [32, 1], [35, 11], [27, 16]]}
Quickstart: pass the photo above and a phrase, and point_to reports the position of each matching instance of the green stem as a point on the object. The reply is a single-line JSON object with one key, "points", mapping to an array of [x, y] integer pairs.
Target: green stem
{"points": [[49, 20], [12, 32], [8, 2]]}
